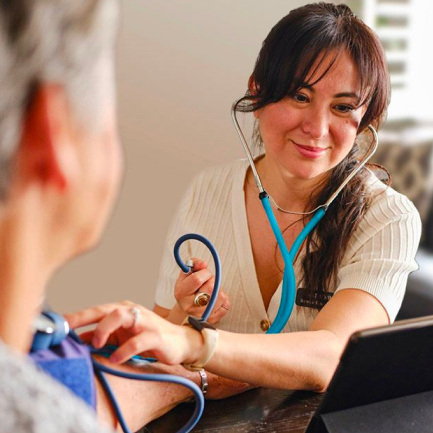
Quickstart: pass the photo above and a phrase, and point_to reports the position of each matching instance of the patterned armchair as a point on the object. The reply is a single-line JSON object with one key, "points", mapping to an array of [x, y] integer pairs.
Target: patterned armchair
{"points": [[406, 151]]}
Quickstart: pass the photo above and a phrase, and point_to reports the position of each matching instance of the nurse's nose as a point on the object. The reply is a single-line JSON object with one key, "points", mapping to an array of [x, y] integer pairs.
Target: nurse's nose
{"points": [[316, 123]]}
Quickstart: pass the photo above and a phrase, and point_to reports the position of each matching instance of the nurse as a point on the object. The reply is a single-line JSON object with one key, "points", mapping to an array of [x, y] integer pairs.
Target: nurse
{"points": [[319, 81]]}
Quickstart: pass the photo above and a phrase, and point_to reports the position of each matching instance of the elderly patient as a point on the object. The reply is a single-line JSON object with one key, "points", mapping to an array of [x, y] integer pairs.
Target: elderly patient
{"points": [[60, 169]]}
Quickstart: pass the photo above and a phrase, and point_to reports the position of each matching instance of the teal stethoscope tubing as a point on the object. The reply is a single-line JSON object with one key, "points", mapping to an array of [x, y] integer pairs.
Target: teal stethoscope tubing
{"points": [[289, 282], [288, 290]]}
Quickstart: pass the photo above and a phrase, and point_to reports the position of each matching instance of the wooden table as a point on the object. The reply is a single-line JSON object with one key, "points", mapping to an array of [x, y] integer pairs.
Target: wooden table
{"points": [[258, 410]]}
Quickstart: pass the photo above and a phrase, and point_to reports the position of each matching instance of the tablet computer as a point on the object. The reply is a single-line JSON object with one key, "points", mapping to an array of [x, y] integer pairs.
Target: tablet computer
{"points": [[380, 364]]}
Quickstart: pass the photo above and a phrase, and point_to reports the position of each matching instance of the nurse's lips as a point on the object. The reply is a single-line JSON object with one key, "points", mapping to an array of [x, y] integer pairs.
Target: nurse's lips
{"points": [[309, 151]]}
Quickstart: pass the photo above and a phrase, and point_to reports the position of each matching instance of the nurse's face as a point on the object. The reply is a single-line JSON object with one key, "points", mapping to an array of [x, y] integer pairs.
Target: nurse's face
{"points": [[309, 133]]}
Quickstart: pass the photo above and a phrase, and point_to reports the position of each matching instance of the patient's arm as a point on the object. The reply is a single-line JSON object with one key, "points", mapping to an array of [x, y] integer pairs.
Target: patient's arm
{"points": [[143, 401]]}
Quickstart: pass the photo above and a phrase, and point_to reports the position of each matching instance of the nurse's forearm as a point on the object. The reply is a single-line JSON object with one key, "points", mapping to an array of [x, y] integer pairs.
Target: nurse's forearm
{"points": [[299, 360]]}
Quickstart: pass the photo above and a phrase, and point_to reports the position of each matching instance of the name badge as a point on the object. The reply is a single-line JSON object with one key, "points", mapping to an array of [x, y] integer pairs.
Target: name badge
{"points": [[312, 300]]}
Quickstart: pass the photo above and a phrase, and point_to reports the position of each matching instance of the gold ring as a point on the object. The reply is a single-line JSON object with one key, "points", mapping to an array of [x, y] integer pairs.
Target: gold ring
{"points": [[201, 300]]}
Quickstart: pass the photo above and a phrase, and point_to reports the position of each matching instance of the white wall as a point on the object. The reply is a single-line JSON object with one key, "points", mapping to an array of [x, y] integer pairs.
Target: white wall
{"points": [[420, 98], [181, 64], [414, 101]]}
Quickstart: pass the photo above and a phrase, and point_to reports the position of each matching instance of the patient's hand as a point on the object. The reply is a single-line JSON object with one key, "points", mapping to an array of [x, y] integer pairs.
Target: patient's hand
{"points": [[188, 286]]}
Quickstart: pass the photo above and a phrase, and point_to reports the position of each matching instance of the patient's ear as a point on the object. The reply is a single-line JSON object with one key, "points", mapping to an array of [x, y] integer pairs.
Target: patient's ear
{"points": [[46, 138]]}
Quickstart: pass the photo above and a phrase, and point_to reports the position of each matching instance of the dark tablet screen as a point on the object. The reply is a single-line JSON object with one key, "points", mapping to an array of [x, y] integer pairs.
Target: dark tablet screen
{"points": [[381, 364]]}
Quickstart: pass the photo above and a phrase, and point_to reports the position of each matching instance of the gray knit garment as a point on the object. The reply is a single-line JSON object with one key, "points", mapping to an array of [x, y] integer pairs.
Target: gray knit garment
{"points": [[33, 402]]}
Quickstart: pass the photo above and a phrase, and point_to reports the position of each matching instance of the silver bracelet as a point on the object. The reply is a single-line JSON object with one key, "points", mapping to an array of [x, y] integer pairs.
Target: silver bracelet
{"points": [[204, 381]]}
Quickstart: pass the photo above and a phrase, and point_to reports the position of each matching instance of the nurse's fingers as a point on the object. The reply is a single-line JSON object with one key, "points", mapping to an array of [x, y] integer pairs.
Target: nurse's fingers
{"points": [[159, 339], [217, 315], [222, 306], [122, 317], [92, 315], [198, 266], [86, 337], [136, 345], [219, 301], [191, 283], [207, 287], [187, 303]]}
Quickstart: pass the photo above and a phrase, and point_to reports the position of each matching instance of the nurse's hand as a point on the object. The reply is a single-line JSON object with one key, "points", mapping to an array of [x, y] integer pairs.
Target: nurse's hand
{"points": [[137, 331], [189, 286]]}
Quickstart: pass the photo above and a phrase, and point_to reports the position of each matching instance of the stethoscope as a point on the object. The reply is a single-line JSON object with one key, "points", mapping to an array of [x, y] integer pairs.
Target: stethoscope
{"points": [[289, 282]]}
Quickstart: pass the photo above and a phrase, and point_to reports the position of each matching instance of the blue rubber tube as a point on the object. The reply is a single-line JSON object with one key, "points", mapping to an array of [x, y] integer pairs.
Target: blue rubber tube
{"points": [[198, 395], [106, 351], [199, 407], [205, 241]]}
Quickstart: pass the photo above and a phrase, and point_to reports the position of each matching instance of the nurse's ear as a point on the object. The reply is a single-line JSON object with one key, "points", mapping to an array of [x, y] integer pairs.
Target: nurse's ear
{"points": [[252, 89], [46, 151]]}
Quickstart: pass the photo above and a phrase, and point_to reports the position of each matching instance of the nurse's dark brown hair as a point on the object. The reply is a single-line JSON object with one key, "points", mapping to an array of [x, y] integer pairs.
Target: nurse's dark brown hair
{"points": [[290, 55]]}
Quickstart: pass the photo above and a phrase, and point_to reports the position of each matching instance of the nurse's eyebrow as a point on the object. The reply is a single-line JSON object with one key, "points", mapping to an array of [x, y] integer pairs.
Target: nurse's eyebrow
{"points": [[337, 95], [347, 95]]}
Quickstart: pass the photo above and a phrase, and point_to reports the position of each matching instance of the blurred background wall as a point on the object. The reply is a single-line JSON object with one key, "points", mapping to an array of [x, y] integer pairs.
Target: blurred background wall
{"points": [[180, 65]]}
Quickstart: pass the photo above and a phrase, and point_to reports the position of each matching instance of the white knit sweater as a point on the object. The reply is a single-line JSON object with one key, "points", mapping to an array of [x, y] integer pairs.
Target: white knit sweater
{"points": [[379, 257]]}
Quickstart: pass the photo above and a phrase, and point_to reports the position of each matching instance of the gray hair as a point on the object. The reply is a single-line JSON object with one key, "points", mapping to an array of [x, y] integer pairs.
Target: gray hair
{"points": [[66, 42]]}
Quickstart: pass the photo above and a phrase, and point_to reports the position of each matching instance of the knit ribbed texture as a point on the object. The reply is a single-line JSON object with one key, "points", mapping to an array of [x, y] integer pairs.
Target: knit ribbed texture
{"points": [[33, 402], [378, 260]]}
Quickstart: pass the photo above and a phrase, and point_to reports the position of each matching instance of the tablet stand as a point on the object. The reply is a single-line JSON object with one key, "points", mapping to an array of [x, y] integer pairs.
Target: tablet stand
{"points": [[409, 414]]}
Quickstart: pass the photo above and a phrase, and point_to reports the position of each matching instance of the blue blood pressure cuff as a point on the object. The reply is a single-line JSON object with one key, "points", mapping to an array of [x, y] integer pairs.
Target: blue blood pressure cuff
{"points": [[69, 362]]}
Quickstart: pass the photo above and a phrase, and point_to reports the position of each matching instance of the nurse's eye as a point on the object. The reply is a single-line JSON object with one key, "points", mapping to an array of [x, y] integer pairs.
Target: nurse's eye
{"points": [[299, 97], [344, 108]]}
